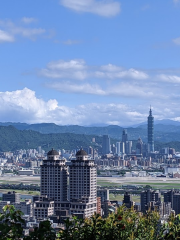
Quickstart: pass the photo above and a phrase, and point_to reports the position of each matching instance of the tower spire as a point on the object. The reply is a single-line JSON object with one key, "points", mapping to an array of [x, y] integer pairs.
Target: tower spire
{"points": [[150, 111]]}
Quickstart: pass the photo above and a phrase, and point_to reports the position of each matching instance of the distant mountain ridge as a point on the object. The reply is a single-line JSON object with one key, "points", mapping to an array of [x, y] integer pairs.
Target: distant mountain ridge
{"points": [[12, 139], [156, 122], [162, 133]]}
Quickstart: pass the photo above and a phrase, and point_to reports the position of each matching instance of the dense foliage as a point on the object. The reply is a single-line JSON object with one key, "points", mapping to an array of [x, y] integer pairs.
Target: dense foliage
{"points": [[11, 227], [12, 139], [126, 224]]}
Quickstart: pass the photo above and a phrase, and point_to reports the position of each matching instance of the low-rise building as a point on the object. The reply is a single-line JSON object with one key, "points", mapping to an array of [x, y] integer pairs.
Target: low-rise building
{"points": [[43, 208], [13, 197]]}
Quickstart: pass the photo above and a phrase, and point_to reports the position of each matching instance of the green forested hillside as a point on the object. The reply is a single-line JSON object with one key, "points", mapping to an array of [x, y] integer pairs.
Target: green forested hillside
{"points": [[162, 133], [13, 139]]}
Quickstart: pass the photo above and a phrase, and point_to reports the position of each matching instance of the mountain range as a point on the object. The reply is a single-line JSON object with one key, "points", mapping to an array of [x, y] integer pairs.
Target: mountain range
{"points": [[164, 130], [12, 138]]}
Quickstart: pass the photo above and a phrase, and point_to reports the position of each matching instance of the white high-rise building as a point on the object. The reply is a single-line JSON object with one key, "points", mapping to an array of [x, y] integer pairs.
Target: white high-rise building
{"points": [[83, 185], [128, 147], [122, 147], [54, 177]]}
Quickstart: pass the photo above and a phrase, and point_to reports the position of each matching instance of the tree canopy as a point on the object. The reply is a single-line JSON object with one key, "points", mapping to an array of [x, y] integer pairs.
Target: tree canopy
{"points": [[125, 224]]}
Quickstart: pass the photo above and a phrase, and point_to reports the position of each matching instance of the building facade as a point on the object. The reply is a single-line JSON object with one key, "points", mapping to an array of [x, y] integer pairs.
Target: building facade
{"points": [[54, 178], [83, 185], [12, 197], [148, 196], [106, 147], [124, 136], [127, 201], [43, 208]]}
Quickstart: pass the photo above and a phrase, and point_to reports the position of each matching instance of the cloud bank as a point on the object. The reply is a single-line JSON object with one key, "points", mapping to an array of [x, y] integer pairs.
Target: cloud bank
{"points": [[78, 69], [24, 106], [76, 76]]}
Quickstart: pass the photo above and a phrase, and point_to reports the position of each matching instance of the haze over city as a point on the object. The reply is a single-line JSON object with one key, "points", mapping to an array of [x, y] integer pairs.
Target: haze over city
{"points": [[90, 62]]}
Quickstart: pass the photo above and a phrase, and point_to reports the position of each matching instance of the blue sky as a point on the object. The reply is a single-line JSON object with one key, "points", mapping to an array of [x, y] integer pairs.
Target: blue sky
{"points": [[89, 62]]}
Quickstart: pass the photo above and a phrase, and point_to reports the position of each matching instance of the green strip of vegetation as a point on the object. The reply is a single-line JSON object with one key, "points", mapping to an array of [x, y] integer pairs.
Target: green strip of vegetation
{"points": [[21, 191]]}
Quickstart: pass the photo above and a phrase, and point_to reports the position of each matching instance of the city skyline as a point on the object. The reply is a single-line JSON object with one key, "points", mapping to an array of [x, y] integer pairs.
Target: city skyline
{"points": [[98, 62]]}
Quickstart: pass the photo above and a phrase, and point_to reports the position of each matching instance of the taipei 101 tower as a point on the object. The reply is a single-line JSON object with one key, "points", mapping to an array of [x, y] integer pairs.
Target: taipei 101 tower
{"points": [[150, 132]]}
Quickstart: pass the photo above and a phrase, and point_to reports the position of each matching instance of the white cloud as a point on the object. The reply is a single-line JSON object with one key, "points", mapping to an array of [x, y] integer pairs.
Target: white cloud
{"points": [[86, 88], [123, 90], [177, 41], [131, 90], [24, 106], [10, 30], [78, 69], [105, 8], [73, 69], [111, 68], [119, 73], [6, 37], [107, 81], [30, 33], [27, 20], [169, 78], [76, 64]]}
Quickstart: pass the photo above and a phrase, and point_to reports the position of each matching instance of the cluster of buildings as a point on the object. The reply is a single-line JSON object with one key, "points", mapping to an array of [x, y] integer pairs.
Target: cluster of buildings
{"points": [[151, 200], [125, 146], [66, 189], [123, 155], [68, 179], [126, 155], [70, 186]]}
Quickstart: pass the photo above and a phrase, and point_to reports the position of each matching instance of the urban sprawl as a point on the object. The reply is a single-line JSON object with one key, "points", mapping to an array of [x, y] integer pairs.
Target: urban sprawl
{"points": [[60, 184]]}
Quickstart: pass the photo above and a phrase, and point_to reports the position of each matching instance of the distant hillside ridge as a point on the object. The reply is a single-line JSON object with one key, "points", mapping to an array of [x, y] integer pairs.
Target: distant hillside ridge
{"points": [[12, 139], [162, 133]]}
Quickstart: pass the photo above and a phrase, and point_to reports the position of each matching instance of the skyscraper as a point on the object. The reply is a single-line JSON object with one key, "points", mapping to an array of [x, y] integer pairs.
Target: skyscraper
{"points": [[128, 147], [122, 147], [124, 136], [174, 198], [176, 203], [54, 176], [118, 149], [150, 132], [127, 144], [83, 185], [106, 145], [139, 146]]}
